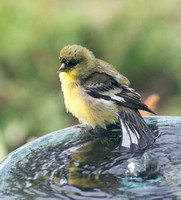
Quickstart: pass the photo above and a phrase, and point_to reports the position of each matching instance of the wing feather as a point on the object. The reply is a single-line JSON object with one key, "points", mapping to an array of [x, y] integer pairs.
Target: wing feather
{"points": [[104, 86]]}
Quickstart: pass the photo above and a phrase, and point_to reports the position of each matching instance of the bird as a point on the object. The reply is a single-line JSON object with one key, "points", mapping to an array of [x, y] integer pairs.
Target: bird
{"points": [[96, 93]]}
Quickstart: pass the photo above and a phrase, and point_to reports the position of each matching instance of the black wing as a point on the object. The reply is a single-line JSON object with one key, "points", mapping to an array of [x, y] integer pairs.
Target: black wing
{"points": [[99, 82], [104, 86], [132, 99]]}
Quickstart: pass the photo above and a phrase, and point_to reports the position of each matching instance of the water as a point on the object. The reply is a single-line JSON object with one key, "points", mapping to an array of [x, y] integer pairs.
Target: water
{"points": [[91, 168]]}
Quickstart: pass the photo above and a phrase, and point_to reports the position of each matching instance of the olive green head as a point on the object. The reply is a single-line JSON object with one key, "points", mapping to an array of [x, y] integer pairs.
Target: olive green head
{"points": [[75, 58]]}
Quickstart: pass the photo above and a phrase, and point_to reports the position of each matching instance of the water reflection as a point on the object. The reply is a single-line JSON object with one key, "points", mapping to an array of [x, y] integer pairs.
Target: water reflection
{"points": [[88, 163]]}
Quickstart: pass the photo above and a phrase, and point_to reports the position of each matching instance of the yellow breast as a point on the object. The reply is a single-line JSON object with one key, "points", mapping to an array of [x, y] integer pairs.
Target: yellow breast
{"points": [[85, 108]]}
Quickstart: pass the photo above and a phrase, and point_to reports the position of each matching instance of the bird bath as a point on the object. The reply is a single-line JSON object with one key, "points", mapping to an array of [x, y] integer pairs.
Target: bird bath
{"points": [[71, 164]]}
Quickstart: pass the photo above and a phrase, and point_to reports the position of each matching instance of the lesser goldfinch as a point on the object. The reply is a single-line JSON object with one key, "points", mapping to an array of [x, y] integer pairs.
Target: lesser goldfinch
{"points": [[96, 93]]}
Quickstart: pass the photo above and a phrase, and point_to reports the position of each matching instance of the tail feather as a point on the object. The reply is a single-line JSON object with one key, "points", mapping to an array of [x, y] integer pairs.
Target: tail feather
{"points": [[136, 135]]}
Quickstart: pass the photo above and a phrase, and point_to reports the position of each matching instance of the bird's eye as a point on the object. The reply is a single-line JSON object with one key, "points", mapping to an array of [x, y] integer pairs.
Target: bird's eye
{"points": [[73, 63]]}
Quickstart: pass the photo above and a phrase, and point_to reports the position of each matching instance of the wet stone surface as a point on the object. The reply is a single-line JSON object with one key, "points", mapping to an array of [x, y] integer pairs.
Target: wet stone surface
{"points": [[90, 167]]}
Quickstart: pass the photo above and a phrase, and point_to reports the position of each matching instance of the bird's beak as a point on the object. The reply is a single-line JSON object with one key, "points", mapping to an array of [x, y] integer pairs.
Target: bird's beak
{"points": [[61, 69]]}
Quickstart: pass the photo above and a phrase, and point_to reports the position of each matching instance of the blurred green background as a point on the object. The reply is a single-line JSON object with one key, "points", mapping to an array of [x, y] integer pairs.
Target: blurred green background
{"points": [[141, 38]]}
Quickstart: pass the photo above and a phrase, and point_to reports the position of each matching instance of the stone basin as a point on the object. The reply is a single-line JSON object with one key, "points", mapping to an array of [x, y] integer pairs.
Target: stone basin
{"points": [[71, 164]]}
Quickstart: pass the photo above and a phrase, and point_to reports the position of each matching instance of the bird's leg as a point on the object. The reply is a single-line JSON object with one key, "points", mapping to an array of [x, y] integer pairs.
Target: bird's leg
{"points": [[86, 130]]}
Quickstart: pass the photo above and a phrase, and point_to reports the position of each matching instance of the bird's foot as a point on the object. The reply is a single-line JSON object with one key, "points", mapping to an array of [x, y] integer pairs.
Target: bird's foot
{"points": [[86, 130]]}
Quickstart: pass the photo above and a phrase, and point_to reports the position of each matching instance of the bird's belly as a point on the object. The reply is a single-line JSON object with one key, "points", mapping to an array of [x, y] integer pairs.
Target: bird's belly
{"points": [[88, 109]]}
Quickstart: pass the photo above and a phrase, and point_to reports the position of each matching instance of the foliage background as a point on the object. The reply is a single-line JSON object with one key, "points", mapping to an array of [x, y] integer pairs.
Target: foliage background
{"points": [[142, 39]]}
